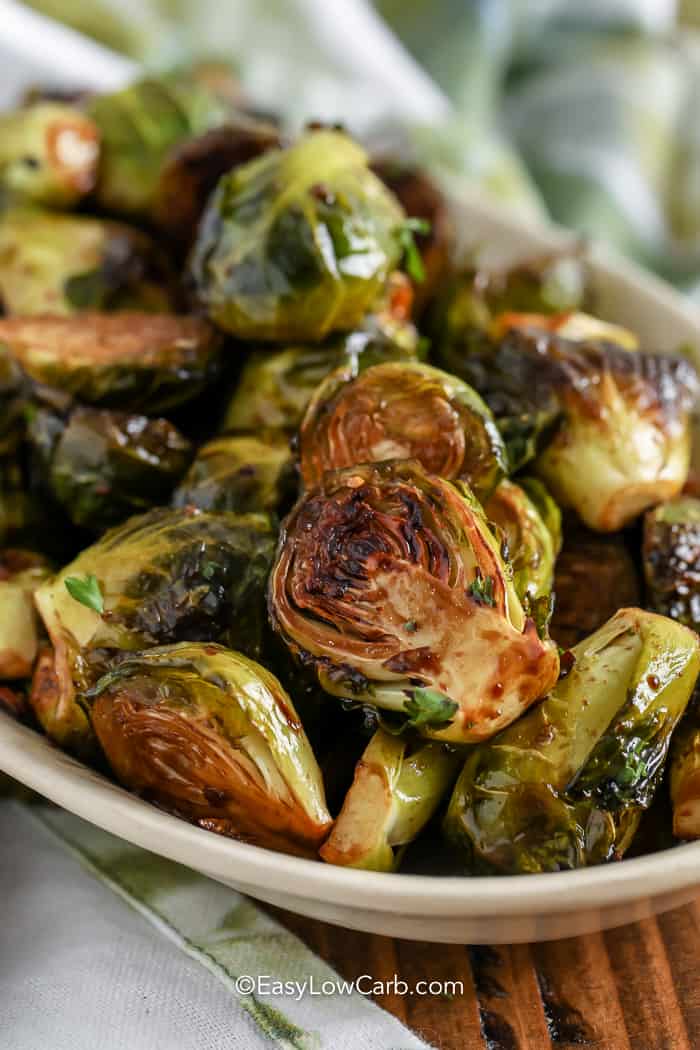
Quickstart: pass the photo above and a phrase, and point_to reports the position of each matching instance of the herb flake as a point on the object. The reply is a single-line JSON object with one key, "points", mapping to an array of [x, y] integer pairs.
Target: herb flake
{"points": [[86, 590], [428, 707], [412, 257]]}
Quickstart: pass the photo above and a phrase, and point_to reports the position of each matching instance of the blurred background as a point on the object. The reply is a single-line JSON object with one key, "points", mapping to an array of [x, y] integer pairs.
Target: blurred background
{"points": [[586, 113]]}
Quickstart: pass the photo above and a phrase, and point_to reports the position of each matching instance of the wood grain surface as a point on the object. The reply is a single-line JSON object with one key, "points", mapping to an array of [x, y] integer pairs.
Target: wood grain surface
{"points": [[633, 988]]}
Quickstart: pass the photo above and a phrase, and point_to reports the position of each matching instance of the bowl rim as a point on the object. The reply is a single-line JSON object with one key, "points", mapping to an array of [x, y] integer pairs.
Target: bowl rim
{"points": [[32, 760]]}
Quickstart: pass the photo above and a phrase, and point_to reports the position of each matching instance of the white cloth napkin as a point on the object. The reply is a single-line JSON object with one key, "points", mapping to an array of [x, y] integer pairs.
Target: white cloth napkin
{"points": [[104, 946]]}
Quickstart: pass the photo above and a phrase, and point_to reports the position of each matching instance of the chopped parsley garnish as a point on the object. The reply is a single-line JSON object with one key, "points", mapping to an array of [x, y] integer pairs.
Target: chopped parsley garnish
{"points": [[427, 707], [412, 257], [481, 590], [86, 590]]}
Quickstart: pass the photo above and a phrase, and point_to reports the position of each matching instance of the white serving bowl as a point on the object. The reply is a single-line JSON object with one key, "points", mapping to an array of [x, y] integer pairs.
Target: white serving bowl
{"points": [[421, 907]]}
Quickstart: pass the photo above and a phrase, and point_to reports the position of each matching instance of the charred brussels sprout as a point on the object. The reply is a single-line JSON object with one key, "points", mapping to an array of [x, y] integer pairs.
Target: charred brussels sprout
{"points": [[126, 360], [612, 426], [594, 576], [192, 169], [213, 736], [162, 577], [565, 786], [298, 243], [103, 466], [402, 410], [464, 313], [138, 127], [63, 264], [624, 442], [241, 472], [672, 559], [21, 572], [389, 584], [531, 525], [48, 154], [396, 790], [276, 387]]}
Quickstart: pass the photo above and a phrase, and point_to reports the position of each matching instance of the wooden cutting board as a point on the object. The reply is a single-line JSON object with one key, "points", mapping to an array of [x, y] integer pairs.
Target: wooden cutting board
{"points": [[634, 988]]}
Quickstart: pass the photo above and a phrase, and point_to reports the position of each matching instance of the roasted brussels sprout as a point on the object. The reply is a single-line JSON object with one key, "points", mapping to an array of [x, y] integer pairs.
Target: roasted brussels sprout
{"points": [[192, 169], [612, 425], [213, 736], [594, 576], [389, 584], [397, 788], [565, 786], [138, 127], [21, 572], [62, 264], [402, 410], [161, 577], [12, 403], [685, 774], [48, 154], [469, 304], [672, 559], [421, 198], [103, 466], [298, 243], [241, 472], [531, 525], [275, 387], [126, 360]]}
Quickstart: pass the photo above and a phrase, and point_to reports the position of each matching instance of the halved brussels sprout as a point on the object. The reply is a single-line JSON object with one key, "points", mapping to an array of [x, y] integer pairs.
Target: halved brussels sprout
{"points": [[298, 243], [625, 440], [125, 360], [672, 559], [275, 388], [397, 788], [565, 786], [139, 125], [594, 576], [192, 169], [161, 577], [389, 584], [21, 572], [531, 524], [48, 154], [62, 264], [421, 198], [213, 736], [241, 472], [402, 410], [612, 425], [103, 466]]}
